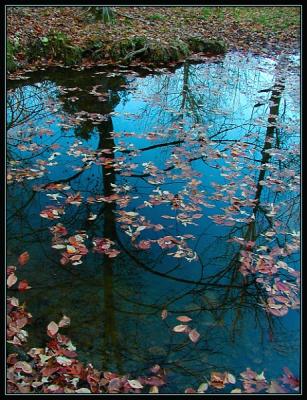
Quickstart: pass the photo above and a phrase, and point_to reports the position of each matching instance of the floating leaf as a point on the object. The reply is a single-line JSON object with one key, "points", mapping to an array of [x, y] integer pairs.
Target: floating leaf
{"points": [[230, 378], [52, 329], [180, 328], [135, 384], [65, 321], [59, 246], [190, 390], [202, 387], [194, 335], [83, 390], [23, 285], [164, 314], [11, 280], [23, 258], [184, 318], [24, 366], [236, 390]]}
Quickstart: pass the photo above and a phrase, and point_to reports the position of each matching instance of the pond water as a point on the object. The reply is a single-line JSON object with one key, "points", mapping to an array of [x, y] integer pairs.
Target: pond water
{"points": [[193, 176]]}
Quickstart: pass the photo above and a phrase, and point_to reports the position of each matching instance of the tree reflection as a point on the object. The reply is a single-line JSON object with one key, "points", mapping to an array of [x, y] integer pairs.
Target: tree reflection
{"points": [[120, 299]]}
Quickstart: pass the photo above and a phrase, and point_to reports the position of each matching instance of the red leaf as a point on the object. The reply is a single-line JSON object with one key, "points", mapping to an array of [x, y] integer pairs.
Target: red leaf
{"points": [[23, 258], [23, 285]]}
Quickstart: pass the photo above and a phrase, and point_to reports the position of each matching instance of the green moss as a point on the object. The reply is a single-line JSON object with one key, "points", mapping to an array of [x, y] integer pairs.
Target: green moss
{"points": [[123, 48], [11, 50], [156, 17], [55, 45], [197, 44], [172, 51]]}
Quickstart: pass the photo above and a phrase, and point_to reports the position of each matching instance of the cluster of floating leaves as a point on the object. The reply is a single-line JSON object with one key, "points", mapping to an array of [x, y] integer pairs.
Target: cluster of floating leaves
{"points": [[187, 206], [261, 258], [56, 369], [252, 382]]}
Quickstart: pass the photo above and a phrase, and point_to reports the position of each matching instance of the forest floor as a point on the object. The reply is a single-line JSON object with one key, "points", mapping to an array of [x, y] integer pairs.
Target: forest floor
{"points": [[45, 35]]}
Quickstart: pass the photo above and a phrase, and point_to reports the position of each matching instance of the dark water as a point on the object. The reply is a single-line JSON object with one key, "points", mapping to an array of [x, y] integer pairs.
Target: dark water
{"points": [[217, 141]]}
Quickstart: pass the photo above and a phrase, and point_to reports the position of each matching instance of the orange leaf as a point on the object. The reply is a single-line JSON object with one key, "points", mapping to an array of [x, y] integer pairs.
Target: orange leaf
{"points": [[184, 318], [23, 285], [23, 258]]}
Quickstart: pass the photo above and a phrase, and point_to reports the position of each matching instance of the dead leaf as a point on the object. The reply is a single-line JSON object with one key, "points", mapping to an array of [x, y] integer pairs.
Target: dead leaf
{"points": [[65, 321], [181, 328], [11, 280], [52, 329], [23, 285], [135, 384], [194, 335], [23, 258], [184, 318], [24, 366], [164, 314]]}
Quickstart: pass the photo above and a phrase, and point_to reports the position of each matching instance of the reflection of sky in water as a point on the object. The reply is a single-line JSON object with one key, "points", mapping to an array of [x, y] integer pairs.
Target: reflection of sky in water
{"points": [[116, 320]]}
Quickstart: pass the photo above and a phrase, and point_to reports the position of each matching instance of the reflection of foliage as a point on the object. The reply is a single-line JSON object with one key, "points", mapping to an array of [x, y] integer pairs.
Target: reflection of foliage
{"points": [[11, 50], [213, 241]]}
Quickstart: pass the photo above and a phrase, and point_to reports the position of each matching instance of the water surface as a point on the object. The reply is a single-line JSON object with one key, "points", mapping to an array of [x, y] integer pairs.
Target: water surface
{"points": [[190, 173]]}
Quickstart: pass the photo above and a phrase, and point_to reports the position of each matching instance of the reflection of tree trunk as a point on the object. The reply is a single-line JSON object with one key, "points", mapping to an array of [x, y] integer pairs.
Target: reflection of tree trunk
{"points": [[271, 129], [185, 86], [251, 233], [110, 338]]}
